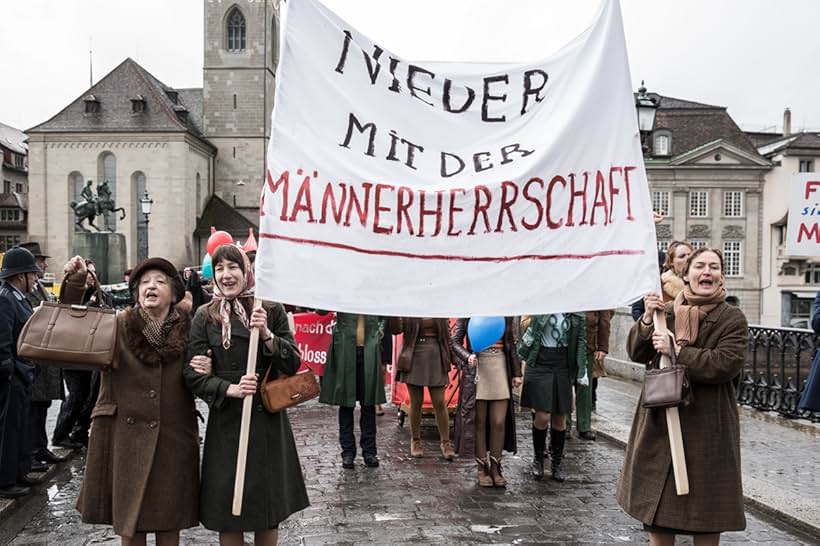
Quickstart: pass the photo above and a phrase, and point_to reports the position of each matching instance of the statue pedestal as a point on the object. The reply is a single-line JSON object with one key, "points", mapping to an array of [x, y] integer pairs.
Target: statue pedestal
{"points": [[106, 250]]}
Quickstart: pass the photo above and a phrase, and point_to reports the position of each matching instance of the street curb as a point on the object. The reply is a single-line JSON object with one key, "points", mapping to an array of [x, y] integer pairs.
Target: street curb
{"points": [[753, 490], [8, 506]]}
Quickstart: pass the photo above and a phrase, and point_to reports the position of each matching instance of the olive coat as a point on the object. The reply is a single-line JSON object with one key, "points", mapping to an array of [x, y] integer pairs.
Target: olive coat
{"points": [[274, 486], [339, 379], [710, 428], [141, 471], [465, 415]]}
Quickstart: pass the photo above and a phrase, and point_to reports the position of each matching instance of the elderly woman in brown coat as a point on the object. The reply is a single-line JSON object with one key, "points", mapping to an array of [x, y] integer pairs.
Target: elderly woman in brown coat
{"points": [[142, 470], [710, 340]]}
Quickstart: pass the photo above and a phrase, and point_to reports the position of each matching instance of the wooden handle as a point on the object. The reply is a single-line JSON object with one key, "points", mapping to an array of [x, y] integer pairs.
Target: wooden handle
{"points": [[245, 426], [673, 421]]}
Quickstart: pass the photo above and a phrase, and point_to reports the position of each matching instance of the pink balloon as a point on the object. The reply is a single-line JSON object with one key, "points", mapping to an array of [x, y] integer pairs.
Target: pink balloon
{"points": [[218, 238]]}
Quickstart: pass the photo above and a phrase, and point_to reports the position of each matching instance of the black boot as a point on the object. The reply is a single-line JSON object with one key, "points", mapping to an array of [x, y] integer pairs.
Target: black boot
{"points": [[557, 440], [539, 445]]}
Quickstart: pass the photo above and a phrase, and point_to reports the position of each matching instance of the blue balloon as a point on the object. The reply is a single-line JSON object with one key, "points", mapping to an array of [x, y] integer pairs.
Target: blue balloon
{"points": [[483, 332], [207, 267]]}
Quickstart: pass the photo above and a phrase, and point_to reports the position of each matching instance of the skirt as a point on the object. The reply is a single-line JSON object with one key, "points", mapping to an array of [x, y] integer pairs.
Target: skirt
{"points": [[547, 386], [426, 369], [491, 376]]}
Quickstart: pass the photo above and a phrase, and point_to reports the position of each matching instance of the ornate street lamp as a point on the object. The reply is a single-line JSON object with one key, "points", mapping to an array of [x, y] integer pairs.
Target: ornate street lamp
{"points": [[145, 209], [647, 108]]}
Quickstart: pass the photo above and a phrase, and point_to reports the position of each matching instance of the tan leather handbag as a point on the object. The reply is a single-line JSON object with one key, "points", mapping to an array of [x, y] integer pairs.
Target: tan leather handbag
{"points": [[74, 337], [289, 390], [666, 387]]}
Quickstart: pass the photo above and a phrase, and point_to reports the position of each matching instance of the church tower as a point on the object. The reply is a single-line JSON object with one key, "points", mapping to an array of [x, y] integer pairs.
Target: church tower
{"points": [[241, 54]]}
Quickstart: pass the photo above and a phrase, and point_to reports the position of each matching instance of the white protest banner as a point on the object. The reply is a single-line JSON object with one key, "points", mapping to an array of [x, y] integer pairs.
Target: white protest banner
{"points": [[803, 229], [453, 189]]}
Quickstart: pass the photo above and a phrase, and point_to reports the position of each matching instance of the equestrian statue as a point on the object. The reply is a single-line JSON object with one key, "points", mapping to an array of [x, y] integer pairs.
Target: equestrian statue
{"points": [[92, 206]]}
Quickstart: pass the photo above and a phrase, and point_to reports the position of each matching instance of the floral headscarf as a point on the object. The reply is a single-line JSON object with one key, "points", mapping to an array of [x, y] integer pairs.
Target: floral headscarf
{"points": [[226, 306]]}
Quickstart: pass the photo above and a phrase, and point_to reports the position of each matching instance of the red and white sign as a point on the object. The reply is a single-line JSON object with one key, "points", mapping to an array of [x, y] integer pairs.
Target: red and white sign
{"points": [[312, 333], [402, 188], [803, 230]]}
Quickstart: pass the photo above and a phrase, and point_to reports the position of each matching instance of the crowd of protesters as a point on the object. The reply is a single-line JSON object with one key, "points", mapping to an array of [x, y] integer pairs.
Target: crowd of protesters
{"points": [[179, 339]]}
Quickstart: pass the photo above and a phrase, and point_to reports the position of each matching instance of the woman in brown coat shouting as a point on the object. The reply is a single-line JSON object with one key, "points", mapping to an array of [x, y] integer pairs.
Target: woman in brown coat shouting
{"points": [[142, 470], [710, 340]]}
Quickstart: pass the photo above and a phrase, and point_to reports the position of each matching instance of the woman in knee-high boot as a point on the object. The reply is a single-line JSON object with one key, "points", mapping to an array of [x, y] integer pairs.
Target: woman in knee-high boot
{"points": [[425, 362], [554, 348], [495, 371]]}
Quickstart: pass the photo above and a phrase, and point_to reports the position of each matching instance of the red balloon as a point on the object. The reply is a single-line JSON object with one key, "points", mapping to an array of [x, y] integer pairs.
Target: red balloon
{"points": [[218, 238]]}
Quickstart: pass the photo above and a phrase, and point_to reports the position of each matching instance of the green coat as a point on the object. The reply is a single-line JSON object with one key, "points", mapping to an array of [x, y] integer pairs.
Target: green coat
{"points": [[339, 380], [274, 486]]}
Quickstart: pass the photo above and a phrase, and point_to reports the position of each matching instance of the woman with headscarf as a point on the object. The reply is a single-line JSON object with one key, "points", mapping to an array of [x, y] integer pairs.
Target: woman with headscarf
{"points": [[710, 339], [274, 486], [142, 468]]}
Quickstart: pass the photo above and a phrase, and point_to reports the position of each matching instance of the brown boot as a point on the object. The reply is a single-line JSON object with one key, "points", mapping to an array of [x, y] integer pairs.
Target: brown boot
{"points": [[447, 451], [416, 451], [495, 472], [484, 479]]}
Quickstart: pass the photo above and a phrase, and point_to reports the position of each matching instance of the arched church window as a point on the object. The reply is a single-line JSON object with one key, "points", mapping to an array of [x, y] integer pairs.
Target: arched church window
{"points": [[236, 30]]}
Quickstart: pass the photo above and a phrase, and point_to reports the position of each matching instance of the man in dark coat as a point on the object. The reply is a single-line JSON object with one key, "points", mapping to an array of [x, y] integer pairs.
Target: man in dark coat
{"points": [[48, 380], [18, 275]]}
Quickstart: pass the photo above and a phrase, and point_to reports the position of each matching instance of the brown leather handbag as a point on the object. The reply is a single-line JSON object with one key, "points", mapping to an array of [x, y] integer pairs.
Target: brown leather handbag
{"points": [[74, 337], [666, 387], [289, 390]]}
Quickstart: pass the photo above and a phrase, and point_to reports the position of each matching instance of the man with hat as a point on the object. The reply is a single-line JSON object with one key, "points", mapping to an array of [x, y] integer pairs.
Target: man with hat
{"points": [[48, 380], [19, 273]]}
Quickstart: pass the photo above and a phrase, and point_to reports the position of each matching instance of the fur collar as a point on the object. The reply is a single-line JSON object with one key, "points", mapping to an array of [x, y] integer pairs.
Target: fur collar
{"points": [[176, 342]]}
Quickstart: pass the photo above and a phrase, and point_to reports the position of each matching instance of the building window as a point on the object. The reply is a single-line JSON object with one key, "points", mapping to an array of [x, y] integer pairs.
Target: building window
{"points": [[107, 172], [75, 184], [698, 244], [800, 312], [138, 104], [236, 30], [662, 144], [10, 215], [732, 257], [234, 101], [812, 274], [698, 204], [733, 204], [806, 166], [92, 105], [663, 246], [8, 241], [6, 186], [198, 195], [19, 161], [18, 188], [274, 41], [660, 202], [789, 271]]}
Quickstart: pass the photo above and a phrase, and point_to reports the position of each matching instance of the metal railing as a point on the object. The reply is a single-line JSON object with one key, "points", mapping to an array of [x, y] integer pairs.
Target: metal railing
{"points": [[777, 367]]}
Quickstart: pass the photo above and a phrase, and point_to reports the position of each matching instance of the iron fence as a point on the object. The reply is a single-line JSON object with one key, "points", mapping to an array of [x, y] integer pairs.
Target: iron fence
{"points": [[776, 370]]}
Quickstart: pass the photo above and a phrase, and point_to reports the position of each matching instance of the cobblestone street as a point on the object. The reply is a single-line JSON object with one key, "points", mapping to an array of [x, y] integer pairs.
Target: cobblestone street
{"points": [[408, 500]]}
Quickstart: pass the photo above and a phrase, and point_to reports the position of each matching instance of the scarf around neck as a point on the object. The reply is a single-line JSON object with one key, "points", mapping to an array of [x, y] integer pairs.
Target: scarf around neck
{"points": [[155, 331], [690, 309], [228, 306]]}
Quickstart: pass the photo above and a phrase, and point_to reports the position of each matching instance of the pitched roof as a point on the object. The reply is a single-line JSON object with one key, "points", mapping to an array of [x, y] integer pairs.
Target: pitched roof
{"points": [[13, 139], [695, 124], [165, 107], [795, 143], [221, 215]]}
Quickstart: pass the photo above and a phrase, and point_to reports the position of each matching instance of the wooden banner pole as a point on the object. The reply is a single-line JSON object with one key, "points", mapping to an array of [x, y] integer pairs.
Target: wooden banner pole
{"points": [[245, 427], [673, 421]]}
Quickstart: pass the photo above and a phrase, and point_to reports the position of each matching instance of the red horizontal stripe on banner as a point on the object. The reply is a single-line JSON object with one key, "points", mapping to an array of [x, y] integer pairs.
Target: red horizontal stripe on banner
{"points": [[342, 246]]}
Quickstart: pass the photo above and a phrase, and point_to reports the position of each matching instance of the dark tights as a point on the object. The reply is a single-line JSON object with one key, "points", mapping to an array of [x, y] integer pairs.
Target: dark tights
{"points": [[496, 412]]}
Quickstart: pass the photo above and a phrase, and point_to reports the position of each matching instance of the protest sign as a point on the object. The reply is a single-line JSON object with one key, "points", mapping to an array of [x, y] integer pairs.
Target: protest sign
{"points": [[453, 189], [312, 333], [803, 229]]}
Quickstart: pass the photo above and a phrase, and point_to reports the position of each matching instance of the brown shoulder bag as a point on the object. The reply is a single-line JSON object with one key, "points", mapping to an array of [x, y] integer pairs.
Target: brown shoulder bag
{"points": [[666, 387], [289, 390]]}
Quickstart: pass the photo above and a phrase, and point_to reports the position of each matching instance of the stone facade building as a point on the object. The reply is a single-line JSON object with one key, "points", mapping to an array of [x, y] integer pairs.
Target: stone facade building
{"points": [[707, 178], [186, 147], [790, 283], [14, 174]]}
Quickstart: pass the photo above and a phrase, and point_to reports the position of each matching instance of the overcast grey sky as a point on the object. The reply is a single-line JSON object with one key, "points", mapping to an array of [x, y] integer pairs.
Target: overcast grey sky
{"points": [[754, 56]]}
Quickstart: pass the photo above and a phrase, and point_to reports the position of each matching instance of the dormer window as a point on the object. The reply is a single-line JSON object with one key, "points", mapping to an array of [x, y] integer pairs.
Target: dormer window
{"points": [[92, 105], [138, 104], [662, 143], [181, 112], [172, 95]]}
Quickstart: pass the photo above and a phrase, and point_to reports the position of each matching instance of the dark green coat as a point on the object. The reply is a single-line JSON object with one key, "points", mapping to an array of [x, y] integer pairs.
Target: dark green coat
{"points": [[274, 486], [339, 380]]}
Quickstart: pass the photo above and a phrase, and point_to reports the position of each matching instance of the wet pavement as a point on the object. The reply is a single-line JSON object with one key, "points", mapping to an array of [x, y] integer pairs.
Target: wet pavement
{"points": [[407, 500]]}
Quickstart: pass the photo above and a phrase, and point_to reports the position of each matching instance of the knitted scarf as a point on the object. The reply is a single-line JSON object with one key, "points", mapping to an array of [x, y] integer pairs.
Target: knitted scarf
{"points": [[156, 331], [690, 309], [228, 306]]}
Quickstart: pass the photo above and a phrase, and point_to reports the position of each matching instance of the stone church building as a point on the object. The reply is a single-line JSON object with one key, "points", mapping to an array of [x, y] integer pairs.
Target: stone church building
{"points": [[199, 153]]}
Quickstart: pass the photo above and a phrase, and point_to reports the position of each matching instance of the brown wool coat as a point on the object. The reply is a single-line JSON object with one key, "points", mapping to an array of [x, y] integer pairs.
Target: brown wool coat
{"points": [[598, 328], [711, 433], [410, 328], [142, 468]]}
